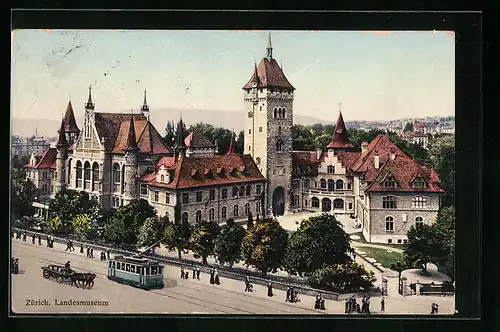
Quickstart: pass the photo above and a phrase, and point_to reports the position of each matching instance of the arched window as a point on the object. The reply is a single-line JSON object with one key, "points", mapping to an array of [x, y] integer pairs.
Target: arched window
{"points": [[249, 190], [419, 221], [95, 176], [211, 214], [257, 161], [236, 210], [247, 209], [235, 191], [116, 177], [275, 113], [389, 202], [279, 145], [185, 217], [322, 183], [69, 171], [338, 203], [330, 169], [331, 185], [223, 212], [44, 188], [198, 216], [279, 129], [284, 113], [162, 178], [257, 207], [242, 191], [79, 174], [389, 224], [86, 175], [315, 202], [339, 184], [306, 183]]}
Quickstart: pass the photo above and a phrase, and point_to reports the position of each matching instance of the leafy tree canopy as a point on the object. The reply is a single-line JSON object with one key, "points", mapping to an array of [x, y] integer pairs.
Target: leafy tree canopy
{"points": [[442, 159], [347, 277], [152, 231], [227, 247], [202, 240], [23, 194], [177, 235]]}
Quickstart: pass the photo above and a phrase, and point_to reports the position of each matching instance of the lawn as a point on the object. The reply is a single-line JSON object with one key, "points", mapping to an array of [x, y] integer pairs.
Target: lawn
{"points": [[381, 255]]}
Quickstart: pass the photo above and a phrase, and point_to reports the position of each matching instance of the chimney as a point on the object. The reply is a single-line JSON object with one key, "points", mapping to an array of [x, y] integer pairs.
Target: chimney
{"points": [[319, 152], [364, 145], [376, 160], [392, 154]]}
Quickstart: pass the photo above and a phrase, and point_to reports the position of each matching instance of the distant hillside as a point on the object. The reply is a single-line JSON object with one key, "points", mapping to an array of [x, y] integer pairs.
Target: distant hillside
{"points": [[160, 117]]}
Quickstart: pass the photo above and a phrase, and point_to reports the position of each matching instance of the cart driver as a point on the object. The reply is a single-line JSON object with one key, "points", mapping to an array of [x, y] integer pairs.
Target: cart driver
{"points": [[67, 266]]}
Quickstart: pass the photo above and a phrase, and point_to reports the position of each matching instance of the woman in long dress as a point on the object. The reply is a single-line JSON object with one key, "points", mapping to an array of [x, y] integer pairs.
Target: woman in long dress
{"points": [[270, 289], [212, 272], [217, 281]]}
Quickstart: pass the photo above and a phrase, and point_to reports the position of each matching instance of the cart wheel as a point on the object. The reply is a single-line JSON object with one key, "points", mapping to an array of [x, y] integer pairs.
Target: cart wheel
{"points": [[46, 274], [60, 279]]}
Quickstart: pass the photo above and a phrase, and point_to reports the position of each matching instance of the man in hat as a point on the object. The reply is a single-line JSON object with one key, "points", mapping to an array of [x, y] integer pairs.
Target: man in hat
{"points": [[39, 239], [182, 273], [382, 305], [33, 239]]}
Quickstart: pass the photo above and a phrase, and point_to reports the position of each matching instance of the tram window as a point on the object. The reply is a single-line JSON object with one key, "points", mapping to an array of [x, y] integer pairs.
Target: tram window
{"points": [[113, 264], [147, 270], [110, 264], [160, 270], [127, 268], [140, 270], [154, 269], [132, 268]]}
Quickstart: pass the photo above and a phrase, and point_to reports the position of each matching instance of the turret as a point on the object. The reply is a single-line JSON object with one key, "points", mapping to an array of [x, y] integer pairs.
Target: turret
{"points": [[62, 150], [70, 128], [145, 107], [180, 146], [131, 150], [340, 138]]}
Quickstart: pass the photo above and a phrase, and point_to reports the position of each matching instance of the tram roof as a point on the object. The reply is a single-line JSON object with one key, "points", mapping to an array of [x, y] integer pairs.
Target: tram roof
{"points": [[135, 260]]}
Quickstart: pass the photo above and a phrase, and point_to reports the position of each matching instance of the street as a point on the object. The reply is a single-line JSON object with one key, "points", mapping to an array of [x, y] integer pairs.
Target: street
{"points": [[178, 297]]}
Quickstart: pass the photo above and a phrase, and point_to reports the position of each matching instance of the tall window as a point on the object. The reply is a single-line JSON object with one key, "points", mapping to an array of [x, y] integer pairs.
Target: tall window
{"points": [[44, 188], [389, 202], [315, 202], [116, 177], [144, 189], [224, 193], [199, 196], [331, 185], [389, 224], [295, 184], [307, 183], [162, 178], [157, 196], [258, 189], [185, 217], [257, 207], [235, 191], [275, 112], [185, 198], [339, 184], [79, 174], [198, 216], [330, 169], [279, 129], [418, 202], [257, 161], [242, 191], [69, 171], [247, 209], [322, 183], [95, 176], [236, 210], [223, 212], [212, 194], [211, 214], [296, 200], [86, 175], [279, 145], [167, 198], [44, 175], [419, 221], [389, 182]]}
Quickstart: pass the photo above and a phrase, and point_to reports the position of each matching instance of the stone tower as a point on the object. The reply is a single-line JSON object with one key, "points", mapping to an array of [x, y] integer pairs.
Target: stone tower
{"points": [[62, 150], [89, 116], [131, 150], [268, 102]]}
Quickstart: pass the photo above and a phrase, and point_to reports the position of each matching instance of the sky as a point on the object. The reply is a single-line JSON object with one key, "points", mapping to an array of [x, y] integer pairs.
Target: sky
{"points": [[374, 75]]}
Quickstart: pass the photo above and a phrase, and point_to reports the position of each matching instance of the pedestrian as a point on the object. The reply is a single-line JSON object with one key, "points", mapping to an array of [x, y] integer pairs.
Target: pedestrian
{"points": [[433, 308], [81, 248], [347, 306], [91, 252], [321, 302], [353, 255], [71, 243], [39, 240], [108, 252], [316, 303], [247, 284], [269, 289], [287, 294], [216, 279], [68, 246], [198, 273], [103, 256], [33, 238], [194, 272], [48, 241], [88, 252], [382, 305], [212, 272], [24, 236], [436, 308], [182, 273]]}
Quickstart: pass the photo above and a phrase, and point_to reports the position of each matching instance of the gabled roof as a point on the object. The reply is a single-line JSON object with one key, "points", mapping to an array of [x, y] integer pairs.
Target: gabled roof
{"points": [[61, 141], [108, 126], [131, 144], [197, 140], [47, 160], [69, 120], [302, 159], [151, 142], [340, 138], [192, 172], [270, 75]]}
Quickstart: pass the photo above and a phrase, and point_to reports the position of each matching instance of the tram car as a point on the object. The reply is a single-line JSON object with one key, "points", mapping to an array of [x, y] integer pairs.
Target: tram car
{"points": [[136, 271]]}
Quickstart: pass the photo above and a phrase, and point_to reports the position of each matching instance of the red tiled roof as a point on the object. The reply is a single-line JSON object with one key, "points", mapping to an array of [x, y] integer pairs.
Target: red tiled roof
{"points": [[108, 126], [47, 160], [197, 140], [189, 172], [69, 120], [61, 141], [131, 144], [151, 142], [404, 171], [348, 159], [340, 138], [270, 76]]}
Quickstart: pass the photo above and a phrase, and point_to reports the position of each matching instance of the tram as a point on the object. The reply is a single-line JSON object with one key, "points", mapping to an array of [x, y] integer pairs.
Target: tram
{"points": [[136, 271]]}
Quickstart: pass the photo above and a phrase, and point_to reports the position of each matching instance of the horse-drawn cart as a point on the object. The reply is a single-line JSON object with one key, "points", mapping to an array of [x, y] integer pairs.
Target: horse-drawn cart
{"points": [[58, 272]]}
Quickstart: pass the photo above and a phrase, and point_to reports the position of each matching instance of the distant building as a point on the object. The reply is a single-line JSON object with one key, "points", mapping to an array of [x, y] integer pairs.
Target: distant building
{"points": [[27, 146]]}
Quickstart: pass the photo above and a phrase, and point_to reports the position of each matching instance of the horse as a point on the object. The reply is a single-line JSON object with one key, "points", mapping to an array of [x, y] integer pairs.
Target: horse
{"points": [[89, 280], [77, 278]]}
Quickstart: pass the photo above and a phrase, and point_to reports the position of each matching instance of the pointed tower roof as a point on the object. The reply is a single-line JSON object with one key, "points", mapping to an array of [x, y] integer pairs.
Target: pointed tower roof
{"points": [[232, 145], [69, 120], [145, 107], [90, 105], [131, 142], [179, 141], [269, 47], [255, 77], [62, 142], [340, 138]]}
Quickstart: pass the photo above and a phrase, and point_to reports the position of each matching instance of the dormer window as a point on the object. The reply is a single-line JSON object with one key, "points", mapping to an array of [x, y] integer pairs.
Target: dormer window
{"points": [[162, 178], [418, 183], [390, 182], [330, 169]]}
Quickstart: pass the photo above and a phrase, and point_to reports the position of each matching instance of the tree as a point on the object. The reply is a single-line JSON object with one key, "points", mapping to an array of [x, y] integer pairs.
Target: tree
{"points": [[18, 162], [445, 232], [442, 159], [227, 247], [52, 225], [264, 245], [68, 204], [23, 194], [319, 241], [347, 277], [152, 231], [122, 229], [423, 246], [177, 235], [170, 133], [240, 143], [408, 127], [81, 225], [202, 239], [249, 221], [302, 138]]}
